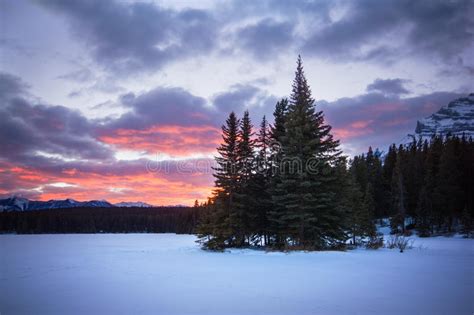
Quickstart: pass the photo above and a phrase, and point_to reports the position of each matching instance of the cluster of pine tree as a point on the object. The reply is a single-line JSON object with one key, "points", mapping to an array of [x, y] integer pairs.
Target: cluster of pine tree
{"points": [[181, 220], [288, 187], [427, 184]]}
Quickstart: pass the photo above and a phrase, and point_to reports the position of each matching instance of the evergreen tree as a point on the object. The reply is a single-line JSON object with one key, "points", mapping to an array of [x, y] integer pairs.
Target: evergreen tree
{"points": [[263, 144], [424, 213], [397, 221], [379, 193], [359, 170], [466, 222], [278, 229], [356, 211], [359, 207], [466, 163], [409, 172], [431, 180], [307, 179], [222, 225], [388, 166], [369, 203], [260, 188], [277, 131], [448, 194], [245, 207]]}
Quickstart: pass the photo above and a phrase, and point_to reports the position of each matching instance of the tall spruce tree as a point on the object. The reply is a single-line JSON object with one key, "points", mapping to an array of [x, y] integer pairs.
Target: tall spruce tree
{"points": [[424, 210], [260, 185], [466, 162], [375, 180], [221, 227], [388, 166], [397, 221], [448, 193], [277, 131], [263, 144], [278, 229], [245, 212], [308, 181]]}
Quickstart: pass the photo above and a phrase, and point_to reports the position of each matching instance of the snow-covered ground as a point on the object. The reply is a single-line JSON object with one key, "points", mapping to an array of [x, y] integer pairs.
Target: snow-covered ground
{"points": [[169, 274]]}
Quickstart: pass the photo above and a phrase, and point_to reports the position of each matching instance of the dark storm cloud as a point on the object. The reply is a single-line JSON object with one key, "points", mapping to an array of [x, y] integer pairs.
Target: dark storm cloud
{"points": [[382, 31], [241, 97], [236, 98], [168, 106], [387, 29], [176, 106], [388, 86], [137, 36], [140, 36], [27, 127], [10, 86], [266, 38]]}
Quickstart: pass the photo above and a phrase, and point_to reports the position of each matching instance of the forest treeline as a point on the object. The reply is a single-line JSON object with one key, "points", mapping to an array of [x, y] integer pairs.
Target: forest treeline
{"points": [[427, 185], [289, 187], [181, 220]]}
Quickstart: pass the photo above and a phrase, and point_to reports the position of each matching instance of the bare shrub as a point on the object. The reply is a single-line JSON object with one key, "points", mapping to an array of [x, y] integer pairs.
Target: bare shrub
{"points": [[374, 242], [400, 242]]}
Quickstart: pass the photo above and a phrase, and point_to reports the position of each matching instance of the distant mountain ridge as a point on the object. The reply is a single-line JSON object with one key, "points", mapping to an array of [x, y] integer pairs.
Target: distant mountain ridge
{"points": [[456, 119], [22, 204], [138, 204]]}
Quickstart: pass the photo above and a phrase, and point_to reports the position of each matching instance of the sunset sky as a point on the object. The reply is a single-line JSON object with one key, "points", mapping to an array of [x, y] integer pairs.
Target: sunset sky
{"points": [[123, 100]]}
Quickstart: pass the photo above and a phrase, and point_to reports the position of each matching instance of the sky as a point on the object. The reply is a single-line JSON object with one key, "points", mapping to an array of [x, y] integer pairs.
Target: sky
{"points": [[124, 100]]}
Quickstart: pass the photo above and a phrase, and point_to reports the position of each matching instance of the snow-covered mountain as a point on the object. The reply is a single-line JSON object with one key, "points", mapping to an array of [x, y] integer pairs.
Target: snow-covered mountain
{"points": [[97, 204], [53, 204], [23, 204], [457, 118], [137, 204], [14, 204]]}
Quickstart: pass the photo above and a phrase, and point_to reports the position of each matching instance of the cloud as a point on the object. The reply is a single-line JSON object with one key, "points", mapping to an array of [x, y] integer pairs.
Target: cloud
{"points": [[10, 86], [377, 120], [173, 121], [81, 75], [161, 105], [172, 106], [44, 144], [26, 128], [132, 37], [173, 140], [237, 98], [241, 97], [388, 86], [388, 30], [265, 39], [128, 37]]}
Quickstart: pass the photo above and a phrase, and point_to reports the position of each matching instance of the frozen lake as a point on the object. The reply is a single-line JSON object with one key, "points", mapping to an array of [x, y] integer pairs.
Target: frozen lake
{"points": [[169, 274]]}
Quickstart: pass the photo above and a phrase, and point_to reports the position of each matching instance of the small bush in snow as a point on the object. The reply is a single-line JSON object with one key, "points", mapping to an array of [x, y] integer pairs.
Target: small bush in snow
{"points": [[375, 242], [400, 242]]}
